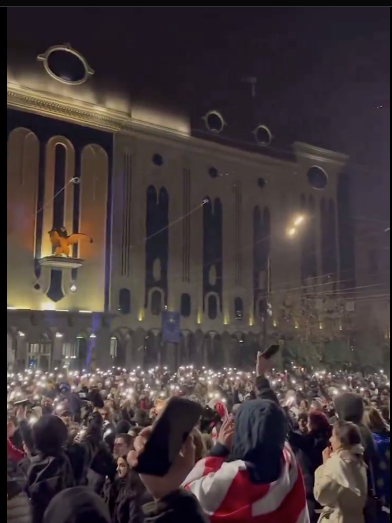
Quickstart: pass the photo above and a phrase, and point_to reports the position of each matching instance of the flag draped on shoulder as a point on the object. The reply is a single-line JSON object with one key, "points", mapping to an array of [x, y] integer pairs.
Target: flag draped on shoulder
{"points": [[227, 494]]}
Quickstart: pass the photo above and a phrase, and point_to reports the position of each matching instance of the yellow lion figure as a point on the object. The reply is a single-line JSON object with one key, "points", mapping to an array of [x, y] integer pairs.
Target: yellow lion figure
{"points": [[62, 242]]}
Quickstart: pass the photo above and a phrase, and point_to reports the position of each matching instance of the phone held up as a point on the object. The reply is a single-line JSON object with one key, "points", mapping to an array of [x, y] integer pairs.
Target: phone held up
{"points": [[168, 435], [271, 352]]}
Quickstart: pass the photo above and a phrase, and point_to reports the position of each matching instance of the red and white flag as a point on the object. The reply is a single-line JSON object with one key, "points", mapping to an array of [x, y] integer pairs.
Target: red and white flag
{"points": [[226, 494]]}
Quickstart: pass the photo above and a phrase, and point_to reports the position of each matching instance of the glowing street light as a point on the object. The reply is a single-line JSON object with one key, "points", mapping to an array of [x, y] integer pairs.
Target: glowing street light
{"points": [[292, 231]]}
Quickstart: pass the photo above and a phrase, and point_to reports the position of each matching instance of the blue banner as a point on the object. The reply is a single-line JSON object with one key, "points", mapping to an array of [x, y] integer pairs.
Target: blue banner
{"points": [[171, 327]]}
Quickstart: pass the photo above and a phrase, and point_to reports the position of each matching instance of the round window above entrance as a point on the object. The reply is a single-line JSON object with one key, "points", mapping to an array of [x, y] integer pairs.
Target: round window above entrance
{"points": [[66, 65]]}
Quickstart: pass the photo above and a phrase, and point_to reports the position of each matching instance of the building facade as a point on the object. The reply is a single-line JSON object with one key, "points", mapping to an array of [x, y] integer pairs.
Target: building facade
{"points": [[222, 247]]}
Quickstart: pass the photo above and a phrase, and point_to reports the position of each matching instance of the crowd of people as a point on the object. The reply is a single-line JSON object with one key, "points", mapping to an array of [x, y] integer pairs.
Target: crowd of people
{"points": [[270, 447]]}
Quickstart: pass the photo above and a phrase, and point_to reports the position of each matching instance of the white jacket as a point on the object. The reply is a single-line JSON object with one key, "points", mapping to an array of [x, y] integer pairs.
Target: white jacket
{"points": [[341, 487]]}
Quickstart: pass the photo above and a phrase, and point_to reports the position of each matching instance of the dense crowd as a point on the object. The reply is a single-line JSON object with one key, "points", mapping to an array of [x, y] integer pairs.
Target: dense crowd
{"points": [[270, 447]]}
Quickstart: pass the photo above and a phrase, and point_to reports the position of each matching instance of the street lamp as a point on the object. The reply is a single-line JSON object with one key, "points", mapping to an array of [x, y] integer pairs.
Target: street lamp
{"points": [[297, 222]]}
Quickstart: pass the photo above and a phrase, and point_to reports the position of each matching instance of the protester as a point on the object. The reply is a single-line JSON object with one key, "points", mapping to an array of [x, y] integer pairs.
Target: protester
{"points": [[309, 448], [77, 505], [58, 447], [251, 460], [18, 504], [382, 468], [341, 485], [128, 495], [172, 504]]}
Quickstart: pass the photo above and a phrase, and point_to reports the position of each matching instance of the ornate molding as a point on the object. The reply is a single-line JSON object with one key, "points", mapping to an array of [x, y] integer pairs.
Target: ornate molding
{"points": [[82, 113]]}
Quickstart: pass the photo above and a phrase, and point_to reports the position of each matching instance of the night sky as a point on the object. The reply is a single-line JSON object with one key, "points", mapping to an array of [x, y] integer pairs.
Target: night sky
{"points": [[320, 70]]}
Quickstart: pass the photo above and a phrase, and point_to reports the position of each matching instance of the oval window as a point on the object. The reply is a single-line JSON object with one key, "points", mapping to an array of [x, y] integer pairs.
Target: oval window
{"points": [[66, 65], [317, 178], [263, 135], [214, 122]]}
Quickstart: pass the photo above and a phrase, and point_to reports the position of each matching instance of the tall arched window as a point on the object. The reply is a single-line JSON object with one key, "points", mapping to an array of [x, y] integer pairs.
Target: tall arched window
{"points": [[156, 303], [39, 354], [212, 307], [124, 299], [186, 305], [238, 309]]}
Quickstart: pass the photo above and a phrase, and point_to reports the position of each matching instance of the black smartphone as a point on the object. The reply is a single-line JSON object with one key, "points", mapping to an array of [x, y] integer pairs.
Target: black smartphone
{"points": [[23, 403], [13, 489], [168, 435], [271, 352]]}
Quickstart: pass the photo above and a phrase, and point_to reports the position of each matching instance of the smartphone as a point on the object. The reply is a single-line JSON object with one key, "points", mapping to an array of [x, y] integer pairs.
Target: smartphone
{"points": [[168, 435], [23, 403], [271, 352]]}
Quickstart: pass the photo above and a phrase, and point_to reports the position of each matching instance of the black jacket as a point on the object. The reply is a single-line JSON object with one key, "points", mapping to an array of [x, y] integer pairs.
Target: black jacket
{"points": [[50, 472], [264, 391], [179, 507], [309, 449]]}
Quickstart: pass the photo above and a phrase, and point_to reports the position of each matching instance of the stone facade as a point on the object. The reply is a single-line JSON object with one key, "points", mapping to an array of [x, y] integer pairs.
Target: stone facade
{"points": [[179, 223]]}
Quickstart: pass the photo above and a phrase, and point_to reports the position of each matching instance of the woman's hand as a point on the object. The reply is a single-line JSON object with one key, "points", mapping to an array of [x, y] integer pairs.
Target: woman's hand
{"points": [[226, 433], [262, 365], [327, 454], [160, 487]]}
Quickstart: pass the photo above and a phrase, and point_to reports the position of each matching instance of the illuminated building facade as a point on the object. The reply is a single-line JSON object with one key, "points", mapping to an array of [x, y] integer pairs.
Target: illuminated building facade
{"points": [[181, 222]]}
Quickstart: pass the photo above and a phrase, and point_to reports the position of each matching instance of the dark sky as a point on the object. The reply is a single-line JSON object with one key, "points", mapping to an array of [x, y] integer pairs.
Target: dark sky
{"points": [[320, 70]]}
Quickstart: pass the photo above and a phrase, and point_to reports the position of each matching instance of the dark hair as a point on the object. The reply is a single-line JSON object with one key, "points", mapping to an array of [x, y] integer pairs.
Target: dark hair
{"points": [[95, 398], [132, 486], [303, 416], [127, 438], [319, 423], [348, 434]]}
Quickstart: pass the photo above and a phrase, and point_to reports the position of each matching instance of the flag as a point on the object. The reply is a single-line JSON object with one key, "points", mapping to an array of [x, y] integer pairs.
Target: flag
{"points": [[171, 327]]}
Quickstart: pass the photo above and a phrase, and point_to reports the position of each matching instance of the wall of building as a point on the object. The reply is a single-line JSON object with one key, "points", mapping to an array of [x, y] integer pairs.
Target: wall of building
{"points": [[178, 224]]}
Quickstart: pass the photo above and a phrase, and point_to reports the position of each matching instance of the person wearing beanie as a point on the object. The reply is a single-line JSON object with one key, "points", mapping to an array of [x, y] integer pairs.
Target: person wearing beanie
{"points": [[77, 505], [57, 466]]}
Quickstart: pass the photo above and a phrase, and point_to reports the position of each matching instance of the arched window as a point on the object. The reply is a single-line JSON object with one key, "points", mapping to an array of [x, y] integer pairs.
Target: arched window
{"points": [[81, 351], [238, 309], [124, 299], [156, 303], [39, 354], [113, 347], [186, 305], [212, 307], [262, 308]]}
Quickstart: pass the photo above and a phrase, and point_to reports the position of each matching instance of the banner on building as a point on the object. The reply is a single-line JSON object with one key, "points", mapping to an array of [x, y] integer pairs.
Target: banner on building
{"points": [[171, 327]]}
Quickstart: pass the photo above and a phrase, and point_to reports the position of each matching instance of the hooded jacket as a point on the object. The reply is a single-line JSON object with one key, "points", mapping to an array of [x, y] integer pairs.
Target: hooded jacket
{"points": [[77, 505], [57, 467], [260, 480]]}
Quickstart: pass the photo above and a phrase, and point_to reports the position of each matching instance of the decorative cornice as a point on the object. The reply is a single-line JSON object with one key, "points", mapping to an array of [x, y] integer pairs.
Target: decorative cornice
{"points": [[88, 114], [320, 155], [81, 113]]}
